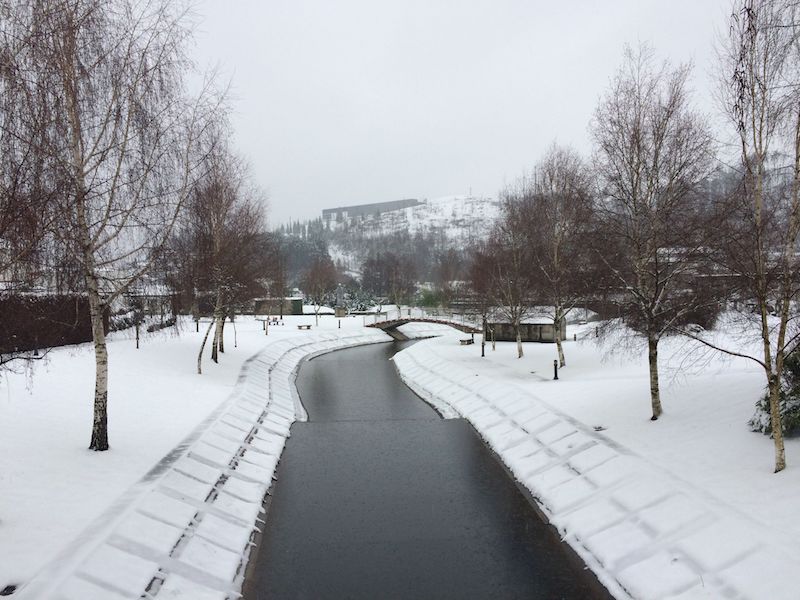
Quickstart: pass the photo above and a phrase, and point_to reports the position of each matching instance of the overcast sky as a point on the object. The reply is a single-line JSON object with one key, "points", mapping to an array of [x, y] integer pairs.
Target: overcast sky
{"points": [[350, 102]]}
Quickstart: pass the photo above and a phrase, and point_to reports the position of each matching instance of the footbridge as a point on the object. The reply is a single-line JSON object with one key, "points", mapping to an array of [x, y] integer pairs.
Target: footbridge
{"points": [[390, 321]]}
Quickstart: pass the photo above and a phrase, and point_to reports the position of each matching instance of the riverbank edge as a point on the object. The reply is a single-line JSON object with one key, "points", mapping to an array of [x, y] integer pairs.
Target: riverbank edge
{"points": [[603, 499], [187, 527]]}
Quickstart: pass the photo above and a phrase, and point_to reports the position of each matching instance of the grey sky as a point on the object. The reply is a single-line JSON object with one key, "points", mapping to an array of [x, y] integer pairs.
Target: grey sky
{"points": [[347, 102]]}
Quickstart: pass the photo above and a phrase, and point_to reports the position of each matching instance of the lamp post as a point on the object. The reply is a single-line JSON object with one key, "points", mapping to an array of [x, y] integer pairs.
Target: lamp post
{"points": [[483, 338]]}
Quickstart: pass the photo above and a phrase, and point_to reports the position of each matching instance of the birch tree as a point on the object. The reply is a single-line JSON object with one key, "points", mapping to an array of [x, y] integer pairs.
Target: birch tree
{"points": [[318, 281], [560, 202], [29, 184], [760, 77], [221, 246], [122, 127], [480, 272], [510, 247], [652, 150]]}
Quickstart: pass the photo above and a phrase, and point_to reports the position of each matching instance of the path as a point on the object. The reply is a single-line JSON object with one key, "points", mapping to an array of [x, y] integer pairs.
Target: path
{"points": [[377, 497]]}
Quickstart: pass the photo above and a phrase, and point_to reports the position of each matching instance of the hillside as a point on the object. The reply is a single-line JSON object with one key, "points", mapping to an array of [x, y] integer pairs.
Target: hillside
{"points": [[435, 226]]}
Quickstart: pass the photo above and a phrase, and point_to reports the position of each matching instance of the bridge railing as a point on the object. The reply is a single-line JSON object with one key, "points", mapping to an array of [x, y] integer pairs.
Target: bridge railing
{"points": [[443, 316]]}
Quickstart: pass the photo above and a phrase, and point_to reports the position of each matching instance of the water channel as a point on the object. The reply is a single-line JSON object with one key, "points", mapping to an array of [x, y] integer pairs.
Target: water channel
{"points": [[377, 497]]}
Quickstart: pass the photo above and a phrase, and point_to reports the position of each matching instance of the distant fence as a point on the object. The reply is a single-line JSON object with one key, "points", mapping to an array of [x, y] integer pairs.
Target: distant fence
{"points": [[28, 322]]}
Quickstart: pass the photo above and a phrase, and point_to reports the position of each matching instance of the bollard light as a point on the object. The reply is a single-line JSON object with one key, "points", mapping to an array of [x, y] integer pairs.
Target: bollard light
{"points": [[555, 369]]}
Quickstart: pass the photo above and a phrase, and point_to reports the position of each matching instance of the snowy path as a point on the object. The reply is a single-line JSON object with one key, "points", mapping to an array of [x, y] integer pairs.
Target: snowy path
{"points": [[645, 531], [185, 529], [378, 497]]}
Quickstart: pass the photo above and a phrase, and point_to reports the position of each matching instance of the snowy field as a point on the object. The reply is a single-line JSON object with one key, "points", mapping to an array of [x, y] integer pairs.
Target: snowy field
{"points": [[52, 486], [685, 507]]}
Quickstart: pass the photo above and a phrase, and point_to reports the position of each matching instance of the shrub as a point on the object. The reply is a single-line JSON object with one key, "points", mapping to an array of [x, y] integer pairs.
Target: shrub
{"points": [[789, 401]]}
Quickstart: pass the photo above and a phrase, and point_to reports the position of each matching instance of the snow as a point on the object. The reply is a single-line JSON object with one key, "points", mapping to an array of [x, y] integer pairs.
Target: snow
{"points": [[177, 497], [458, 219], [685, 507], [311, 309]]}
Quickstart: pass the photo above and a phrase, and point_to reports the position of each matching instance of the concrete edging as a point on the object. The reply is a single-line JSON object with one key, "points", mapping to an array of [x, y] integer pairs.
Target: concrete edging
{"points": [[185, 530], [644, 532]]}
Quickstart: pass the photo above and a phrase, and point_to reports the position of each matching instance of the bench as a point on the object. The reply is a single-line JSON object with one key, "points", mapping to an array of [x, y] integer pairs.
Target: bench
{"points": [[304, 326], [467, 341]]}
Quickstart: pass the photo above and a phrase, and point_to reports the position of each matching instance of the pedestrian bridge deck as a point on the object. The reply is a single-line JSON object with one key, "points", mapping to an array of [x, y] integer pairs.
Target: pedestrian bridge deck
{"points": [[391, 324]]}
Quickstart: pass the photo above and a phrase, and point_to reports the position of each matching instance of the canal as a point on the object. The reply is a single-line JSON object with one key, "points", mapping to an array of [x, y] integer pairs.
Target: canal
{"points": [[377, 497]]}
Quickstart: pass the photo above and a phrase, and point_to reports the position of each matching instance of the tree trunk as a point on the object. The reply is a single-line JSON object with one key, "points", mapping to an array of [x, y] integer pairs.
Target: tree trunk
{"points": [[775, 421], [202, 347], [557, 332], [99, 439], [652, 356], [219, 316], [518, 333], [221, 340], [316, 315]]}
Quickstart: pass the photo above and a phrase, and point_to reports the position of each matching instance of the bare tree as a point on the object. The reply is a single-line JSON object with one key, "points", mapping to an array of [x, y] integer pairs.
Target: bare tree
{"points": [[561, 206], [652, 150], [481, 271], [277, 272], [28, 183], [390, 276], [448, 274], [760, 220], [511, 259], [221, 247], [120, 125], [318, 281]]}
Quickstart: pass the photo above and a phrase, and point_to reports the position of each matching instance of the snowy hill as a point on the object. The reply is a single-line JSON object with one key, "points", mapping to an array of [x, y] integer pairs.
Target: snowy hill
{"points": [[454, 217], [451, 222]]}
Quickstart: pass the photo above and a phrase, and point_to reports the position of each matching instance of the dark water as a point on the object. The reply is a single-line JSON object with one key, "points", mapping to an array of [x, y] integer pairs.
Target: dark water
{"points": [[377, 497]]}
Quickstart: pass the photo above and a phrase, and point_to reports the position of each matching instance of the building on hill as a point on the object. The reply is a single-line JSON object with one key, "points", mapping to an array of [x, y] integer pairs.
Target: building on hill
{"points": [[363, 210]]}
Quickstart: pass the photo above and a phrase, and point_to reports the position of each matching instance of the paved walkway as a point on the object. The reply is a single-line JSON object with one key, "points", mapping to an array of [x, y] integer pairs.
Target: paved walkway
{"points": [[184, 530], [645, 531], [377, 497]]}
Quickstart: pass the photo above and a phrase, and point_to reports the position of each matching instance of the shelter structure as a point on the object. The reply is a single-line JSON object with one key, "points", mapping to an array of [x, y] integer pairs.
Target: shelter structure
{"points": [[531, 330]]}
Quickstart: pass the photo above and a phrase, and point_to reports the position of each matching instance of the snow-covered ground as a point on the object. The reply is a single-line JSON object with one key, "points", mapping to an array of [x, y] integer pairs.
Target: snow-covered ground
{"points": [[53, 488], [685, 507]]}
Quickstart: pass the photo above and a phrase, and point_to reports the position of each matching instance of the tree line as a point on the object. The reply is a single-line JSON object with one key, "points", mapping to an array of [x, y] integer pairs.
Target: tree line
{"points": [[665, 226], [118, 167]]}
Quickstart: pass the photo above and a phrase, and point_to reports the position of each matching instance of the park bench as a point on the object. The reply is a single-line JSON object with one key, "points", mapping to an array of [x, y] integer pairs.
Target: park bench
{"points": [[467, 341], [304, 326]]}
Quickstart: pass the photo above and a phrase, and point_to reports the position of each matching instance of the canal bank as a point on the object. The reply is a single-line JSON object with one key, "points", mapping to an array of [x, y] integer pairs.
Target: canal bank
{"points": [[378, 497]]}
